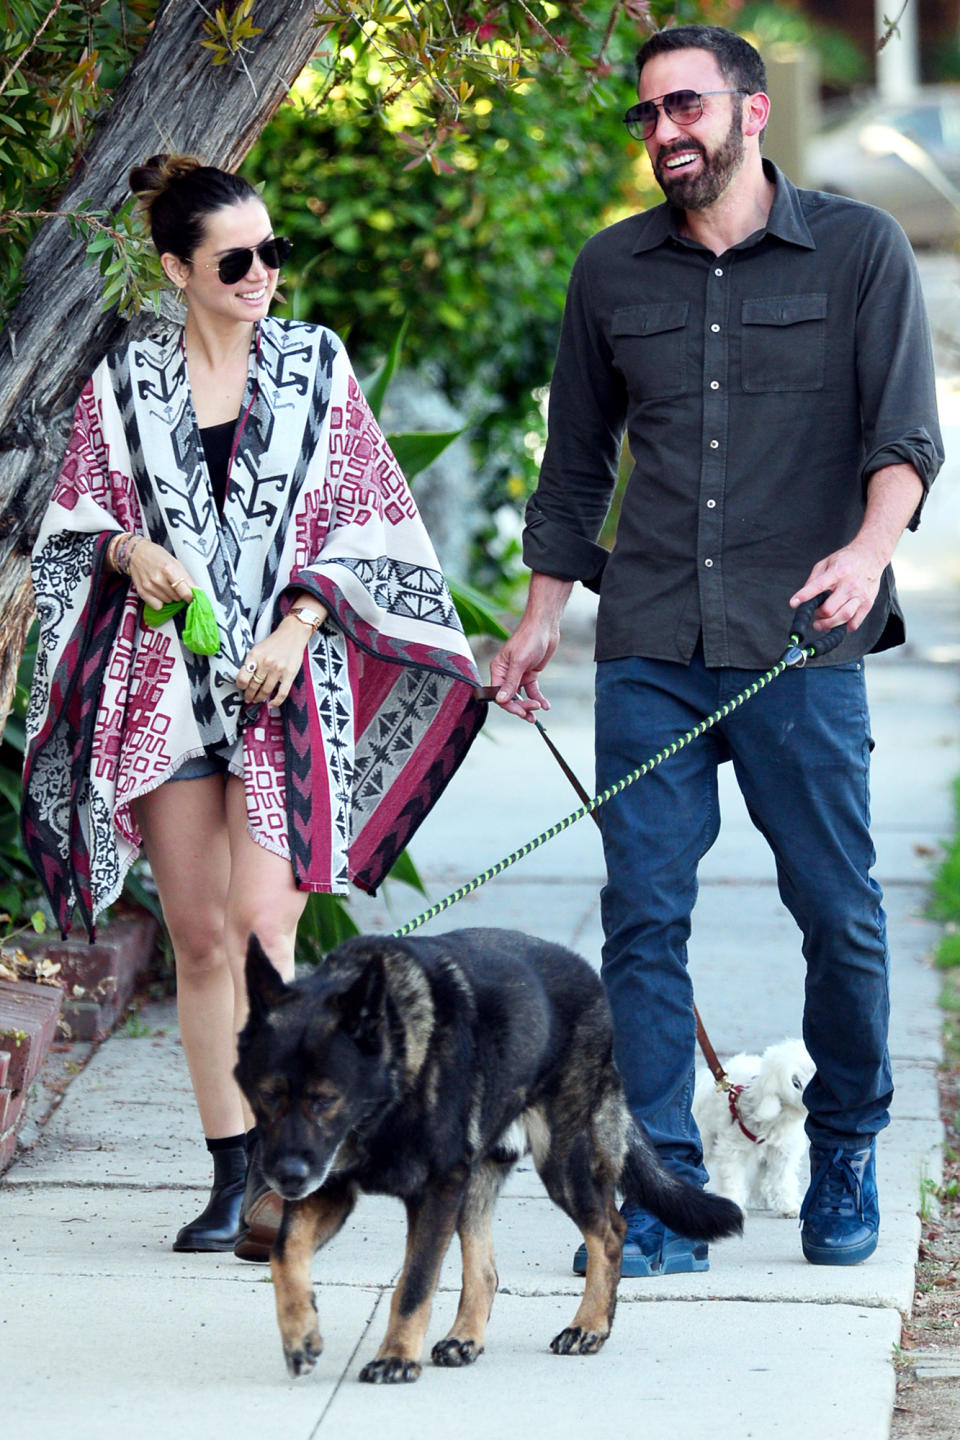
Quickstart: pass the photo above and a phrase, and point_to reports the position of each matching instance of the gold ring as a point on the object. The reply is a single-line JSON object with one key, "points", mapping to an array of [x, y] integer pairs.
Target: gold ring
{"points": [[258, 677]]}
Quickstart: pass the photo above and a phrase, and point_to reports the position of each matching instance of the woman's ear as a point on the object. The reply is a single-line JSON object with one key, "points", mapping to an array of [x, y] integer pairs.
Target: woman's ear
{"points": [[176, 270]]}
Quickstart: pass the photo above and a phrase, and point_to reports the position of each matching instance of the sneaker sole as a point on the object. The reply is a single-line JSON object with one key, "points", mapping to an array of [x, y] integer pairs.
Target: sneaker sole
{"points": [[828, 1255], [635, 1268]]}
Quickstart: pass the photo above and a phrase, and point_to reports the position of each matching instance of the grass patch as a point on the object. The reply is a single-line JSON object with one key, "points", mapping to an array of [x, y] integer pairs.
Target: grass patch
{"points": [[950, 1004], [945, 899]]}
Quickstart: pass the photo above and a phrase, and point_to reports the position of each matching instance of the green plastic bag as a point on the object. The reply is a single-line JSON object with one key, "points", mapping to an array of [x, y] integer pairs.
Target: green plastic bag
{"points": [[200, 632]]}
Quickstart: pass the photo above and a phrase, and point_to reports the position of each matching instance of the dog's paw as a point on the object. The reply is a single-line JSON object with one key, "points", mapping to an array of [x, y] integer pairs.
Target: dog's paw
{"points": [[453, 1352], [577, 1341], [302, 1357], [390, 1370]]}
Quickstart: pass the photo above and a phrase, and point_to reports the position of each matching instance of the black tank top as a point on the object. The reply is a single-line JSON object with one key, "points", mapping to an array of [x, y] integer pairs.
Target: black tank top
{"points": [[217, 443]]}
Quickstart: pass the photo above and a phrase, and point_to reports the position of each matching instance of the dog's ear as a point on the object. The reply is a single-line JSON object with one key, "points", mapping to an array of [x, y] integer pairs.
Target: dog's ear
{"points": [[363, 1007], [769, 1108], [265, 986]]}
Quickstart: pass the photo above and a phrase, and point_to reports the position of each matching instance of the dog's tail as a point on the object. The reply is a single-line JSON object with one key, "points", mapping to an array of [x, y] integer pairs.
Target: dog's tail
{"points": [[688, 1210]]}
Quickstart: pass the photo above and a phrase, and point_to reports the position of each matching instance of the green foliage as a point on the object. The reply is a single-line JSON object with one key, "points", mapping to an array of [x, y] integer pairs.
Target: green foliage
{"points": [[59, 65], [945, 897], [468, 229], [226, 31], [19, 889], [765, 23]]}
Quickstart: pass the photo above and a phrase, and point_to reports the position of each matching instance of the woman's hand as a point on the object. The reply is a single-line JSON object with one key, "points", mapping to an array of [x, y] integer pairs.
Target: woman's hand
{"points": [[273, 664], [157, 576]]}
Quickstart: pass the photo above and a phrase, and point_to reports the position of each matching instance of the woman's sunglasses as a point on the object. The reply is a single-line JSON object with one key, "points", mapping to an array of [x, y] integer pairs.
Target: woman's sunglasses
{"points": [[236, 263]]}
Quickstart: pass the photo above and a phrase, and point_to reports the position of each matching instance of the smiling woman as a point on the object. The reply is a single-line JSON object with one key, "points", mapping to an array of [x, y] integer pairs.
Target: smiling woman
{"points": [[235, 458]]}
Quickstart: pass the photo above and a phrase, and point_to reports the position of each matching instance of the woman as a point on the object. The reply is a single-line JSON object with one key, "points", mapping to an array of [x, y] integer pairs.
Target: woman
{"points": [[236, 456]]}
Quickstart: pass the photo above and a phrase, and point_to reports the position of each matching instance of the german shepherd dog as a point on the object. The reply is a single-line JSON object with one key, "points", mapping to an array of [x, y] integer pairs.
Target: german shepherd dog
{"points": [[425, 1069]]}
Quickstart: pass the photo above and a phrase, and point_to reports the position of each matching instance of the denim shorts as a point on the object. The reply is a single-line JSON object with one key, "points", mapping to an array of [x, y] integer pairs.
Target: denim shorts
{"points": [[200, 766]]}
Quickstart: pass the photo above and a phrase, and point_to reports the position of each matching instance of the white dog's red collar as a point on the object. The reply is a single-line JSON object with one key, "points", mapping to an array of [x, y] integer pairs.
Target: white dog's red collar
{"points": [[733, 1095]]}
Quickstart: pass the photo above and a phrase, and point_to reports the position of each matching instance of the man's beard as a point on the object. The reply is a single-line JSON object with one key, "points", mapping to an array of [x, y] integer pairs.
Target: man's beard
{"points": [[698, 191]]}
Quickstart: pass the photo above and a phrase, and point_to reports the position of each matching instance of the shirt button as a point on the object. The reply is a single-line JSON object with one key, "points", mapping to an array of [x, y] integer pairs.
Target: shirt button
{"points": [[714, 444], [715, 329], [718, 272], [709, 564], [714, 384], [711, 505]]}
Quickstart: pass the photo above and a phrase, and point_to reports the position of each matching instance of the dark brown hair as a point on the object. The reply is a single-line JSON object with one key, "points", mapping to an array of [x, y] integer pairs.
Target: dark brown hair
{"points": [[737, 60], [177, 193]]}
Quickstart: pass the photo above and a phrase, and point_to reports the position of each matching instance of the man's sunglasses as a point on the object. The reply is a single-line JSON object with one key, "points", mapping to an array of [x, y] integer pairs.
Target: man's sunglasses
{"points": [[683, 107], [236, 263]]}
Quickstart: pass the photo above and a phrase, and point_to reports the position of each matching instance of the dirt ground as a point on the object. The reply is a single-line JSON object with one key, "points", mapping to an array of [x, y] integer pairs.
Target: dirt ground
{"points": [[928, 1383]]}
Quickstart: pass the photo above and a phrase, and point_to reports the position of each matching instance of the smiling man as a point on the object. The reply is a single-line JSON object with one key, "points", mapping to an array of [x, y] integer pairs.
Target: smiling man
{"points": [[767, 353]]}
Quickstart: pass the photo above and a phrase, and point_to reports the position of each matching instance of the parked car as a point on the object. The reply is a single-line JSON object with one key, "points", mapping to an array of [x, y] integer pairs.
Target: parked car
{"points": [[904, 157]]}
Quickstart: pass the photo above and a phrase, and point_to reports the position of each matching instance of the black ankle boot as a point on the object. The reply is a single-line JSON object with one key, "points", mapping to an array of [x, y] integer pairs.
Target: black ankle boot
{"points": [[218, 1224]]}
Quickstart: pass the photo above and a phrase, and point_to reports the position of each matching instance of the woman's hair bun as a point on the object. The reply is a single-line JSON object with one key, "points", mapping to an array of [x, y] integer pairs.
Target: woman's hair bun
{"points": [[176, 193], [155, 175]]}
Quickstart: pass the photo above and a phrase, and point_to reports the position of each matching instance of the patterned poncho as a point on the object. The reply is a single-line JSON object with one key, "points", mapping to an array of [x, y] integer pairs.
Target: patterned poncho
{"points": [[383, 711]]}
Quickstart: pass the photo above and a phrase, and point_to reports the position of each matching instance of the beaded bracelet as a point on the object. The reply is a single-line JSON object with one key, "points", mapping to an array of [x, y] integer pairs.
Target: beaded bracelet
{"points": [[130, 552], [112, 549], [121, 550]]}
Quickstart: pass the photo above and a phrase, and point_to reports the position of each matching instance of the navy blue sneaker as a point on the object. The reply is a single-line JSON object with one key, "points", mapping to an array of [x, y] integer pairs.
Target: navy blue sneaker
{"points": [[840, 1215], [651, 1248]]}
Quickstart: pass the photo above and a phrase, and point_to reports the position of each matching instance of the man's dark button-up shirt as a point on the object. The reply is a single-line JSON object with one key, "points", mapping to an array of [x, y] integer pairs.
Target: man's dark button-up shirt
{"points": [[759, 390]]}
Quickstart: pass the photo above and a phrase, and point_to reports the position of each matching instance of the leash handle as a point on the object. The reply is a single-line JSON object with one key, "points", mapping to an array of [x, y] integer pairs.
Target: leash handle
{"points": [[805, 642]]}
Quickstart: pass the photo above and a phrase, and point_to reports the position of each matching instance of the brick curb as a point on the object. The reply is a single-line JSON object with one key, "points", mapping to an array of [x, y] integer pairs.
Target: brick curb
{"points": [[95, 984], [28, 1024]]}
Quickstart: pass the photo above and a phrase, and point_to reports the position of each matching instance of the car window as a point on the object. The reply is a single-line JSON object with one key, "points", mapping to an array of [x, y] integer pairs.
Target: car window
{"points": [[922, 123]]}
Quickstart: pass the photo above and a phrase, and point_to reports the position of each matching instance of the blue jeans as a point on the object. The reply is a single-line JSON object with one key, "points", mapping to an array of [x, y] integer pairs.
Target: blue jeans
{"points": [[801, 754]]}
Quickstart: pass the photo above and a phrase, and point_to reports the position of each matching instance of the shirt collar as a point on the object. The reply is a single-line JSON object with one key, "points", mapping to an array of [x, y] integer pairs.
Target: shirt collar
{"points": [[786, 219]]}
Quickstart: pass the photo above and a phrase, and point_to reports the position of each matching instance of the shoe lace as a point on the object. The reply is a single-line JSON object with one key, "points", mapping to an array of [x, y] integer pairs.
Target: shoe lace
{"points": [[836, 1189]]}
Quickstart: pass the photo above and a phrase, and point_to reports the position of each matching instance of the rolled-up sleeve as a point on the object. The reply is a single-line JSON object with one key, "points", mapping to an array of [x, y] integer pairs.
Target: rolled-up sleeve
{"points": [[895, 370]]}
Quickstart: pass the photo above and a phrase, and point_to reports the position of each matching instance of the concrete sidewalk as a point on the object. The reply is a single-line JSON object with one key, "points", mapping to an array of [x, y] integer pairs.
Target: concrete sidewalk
{"points": [[104, 1332]]}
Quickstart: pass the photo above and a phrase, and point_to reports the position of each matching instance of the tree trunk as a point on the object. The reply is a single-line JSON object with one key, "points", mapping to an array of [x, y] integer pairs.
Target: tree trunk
{"points": [[173, 99]]}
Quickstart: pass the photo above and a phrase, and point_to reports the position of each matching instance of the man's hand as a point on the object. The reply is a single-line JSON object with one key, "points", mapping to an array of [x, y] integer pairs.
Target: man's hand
{"points": [[518, 665], [853, 573]]}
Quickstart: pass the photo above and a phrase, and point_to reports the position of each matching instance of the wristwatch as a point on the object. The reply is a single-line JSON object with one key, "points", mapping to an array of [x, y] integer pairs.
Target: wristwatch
{"points": [[306, 616]]}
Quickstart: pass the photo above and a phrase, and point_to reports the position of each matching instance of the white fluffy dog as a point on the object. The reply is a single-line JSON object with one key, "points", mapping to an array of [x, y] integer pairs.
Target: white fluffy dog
{"points": [[761, 1172]]}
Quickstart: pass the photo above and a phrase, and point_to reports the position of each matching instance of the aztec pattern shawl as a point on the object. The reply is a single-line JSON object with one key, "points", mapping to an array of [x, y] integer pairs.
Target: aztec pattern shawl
{"points": [[383, 711]]}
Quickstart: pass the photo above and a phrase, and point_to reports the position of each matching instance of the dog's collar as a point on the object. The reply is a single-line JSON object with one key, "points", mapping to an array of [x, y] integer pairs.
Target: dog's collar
{"points": [[733, 1095]]}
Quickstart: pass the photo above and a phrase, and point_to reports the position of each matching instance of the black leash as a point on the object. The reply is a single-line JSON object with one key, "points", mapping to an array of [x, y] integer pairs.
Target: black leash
{"points": [[804, 644]]}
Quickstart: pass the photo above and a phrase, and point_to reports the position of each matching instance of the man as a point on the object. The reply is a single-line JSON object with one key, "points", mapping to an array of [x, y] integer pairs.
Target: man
{"points": [[767, 352]]}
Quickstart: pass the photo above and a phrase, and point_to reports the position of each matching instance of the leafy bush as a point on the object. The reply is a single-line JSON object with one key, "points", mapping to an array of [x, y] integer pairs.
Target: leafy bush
{"points": [[477, 251]]}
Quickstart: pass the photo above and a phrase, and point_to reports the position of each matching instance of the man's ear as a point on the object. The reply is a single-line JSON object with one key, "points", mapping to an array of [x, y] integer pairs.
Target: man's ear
{"points": [[756, 113], [265, 985]]}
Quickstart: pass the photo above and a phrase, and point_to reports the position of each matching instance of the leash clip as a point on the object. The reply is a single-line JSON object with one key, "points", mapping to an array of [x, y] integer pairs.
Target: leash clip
{"points": [[795, 656]]}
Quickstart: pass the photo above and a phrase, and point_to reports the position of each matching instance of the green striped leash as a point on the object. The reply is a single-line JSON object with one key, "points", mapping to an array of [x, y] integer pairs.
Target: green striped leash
{"points": [[796, 654]]}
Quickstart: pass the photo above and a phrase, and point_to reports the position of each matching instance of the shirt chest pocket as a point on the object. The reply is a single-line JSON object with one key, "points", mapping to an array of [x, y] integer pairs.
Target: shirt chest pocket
{"points": [[784, 343], [650, 349]]}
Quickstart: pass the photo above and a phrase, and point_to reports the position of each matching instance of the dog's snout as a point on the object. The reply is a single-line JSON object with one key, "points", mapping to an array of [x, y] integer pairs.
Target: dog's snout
{"points": [[290, 1174]]}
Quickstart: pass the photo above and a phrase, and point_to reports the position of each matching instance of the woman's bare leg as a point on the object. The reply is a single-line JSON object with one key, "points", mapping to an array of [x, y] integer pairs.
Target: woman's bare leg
{"points": [[184, 828], [262, 898]]}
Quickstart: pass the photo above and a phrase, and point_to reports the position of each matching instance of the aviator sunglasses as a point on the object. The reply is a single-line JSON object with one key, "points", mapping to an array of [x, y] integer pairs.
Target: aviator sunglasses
{"points": [[683, 107], [235, 264]]}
